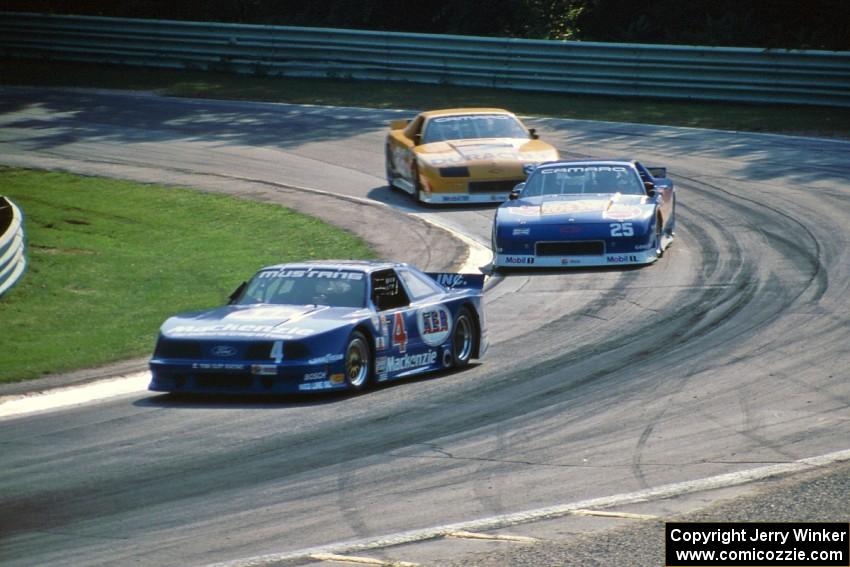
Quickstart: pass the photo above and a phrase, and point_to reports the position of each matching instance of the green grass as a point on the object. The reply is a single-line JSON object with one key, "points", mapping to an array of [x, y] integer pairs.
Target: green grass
{"points": [[110, 260], [808, 120]]}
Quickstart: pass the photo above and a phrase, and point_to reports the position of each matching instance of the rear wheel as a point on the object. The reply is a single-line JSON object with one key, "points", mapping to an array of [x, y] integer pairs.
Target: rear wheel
{"points": [[358, 362], [464, 337]]}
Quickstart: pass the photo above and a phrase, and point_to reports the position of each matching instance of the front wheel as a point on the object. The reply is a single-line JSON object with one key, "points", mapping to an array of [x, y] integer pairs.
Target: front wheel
{"points": [[417, 186], [659, 234], [390, 169], [358, 362], [463, 339]]}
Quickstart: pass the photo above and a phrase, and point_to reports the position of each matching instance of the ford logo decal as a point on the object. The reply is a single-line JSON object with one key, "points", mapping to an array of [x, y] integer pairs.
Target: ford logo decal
{"points": [[223, 351]]}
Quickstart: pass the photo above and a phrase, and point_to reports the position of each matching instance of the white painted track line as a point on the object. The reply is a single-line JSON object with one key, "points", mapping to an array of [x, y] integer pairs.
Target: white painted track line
{"points": [[14, 406], [549, 512]]}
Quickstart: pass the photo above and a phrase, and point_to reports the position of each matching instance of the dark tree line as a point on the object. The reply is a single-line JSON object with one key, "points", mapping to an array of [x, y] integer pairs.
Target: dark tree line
{"points": [[801, 24]]}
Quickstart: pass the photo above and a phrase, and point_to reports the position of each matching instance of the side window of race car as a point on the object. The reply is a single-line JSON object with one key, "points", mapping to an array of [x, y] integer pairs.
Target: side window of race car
{"points": [[414, 129], [644, 174], [416, 286], [387, 291]]}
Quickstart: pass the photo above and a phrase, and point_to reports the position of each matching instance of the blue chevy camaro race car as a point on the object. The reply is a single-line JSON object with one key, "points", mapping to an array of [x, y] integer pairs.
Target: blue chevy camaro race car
{"points": [[320, 326], [586, 213]]}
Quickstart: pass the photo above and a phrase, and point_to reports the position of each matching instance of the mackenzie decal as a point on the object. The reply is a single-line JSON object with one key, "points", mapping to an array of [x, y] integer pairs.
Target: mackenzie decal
{"points": [[435, 324], [411, 361], [265, 312], [236, 329]]}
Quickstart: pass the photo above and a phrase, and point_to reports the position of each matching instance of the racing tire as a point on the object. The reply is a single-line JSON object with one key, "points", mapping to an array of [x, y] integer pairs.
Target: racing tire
{"points": [[358, 362], [464, 338], [389, 167], [659, 234], [417, 187], [670, 230]]}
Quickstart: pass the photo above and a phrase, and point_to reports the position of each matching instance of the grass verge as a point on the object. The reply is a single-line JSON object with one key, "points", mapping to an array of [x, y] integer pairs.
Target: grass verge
{"points": [[788, 119], [110, 260]]}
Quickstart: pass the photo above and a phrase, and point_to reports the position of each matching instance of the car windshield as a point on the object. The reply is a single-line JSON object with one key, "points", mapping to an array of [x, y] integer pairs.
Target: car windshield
{"points": [[580, 179], [471, 126], [335, 288]]}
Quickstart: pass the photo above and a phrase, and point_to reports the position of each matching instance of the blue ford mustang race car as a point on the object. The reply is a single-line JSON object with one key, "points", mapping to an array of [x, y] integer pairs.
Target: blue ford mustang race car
{"points": [[321, 326], [586, 213]]}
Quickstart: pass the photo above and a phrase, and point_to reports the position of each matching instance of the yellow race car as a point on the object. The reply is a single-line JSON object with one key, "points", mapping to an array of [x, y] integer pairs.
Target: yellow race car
{"points": [[462, 155]]}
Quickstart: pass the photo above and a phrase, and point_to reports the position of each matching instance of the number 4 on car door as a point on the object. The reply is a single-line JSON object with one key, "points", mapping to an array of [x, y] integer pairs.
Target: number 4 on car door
{"points": [[399, 332]]}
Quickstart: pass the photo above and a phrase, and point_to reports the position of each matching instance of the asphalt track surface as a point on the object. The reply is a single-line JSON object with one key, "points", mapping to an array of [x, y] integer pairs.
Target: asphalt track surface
{"points": [[728, 354]]}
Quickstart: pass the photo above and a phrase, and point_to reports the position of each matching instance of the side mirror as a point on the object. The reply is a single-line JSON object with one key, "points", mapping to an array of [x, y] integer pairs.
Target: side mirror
{"points": [[650, 188], [516, 191], [417, 138], [398, 124], [533, 133], [236, 293]]}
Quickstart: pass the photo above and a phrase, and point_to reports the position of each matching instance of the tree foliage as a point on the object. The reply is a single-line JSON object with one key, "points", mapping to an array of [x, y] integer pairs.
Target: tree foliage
{"points": [[809, 24]]}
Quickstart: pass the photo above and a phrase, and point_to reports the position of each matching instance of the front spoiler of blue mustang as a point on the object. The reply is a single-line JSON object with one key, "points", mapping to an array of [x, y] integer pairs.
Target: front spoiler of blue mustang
{"points": [[533, 261], [215, 377]]}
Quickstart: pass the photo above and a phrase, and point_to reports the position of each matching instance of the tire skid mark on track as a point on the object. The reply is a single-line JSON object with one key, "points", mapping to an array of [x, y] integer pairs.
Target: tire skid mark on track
{"points": [[729, 301], [734, 299], [819, 275], [348, 509]]}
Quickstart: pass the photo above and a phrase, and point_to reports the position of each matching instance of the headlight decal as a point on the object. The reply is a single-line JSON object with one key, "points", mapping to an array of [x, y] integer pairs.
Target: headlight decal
{"points": [[458, 171]]}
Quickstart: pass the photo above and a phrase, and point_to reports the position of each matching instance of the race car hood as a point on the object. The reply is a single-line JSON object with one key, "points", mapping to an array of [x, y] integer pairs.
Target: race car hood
{"points": [[586, 208], [492, 152], [260, 321]]}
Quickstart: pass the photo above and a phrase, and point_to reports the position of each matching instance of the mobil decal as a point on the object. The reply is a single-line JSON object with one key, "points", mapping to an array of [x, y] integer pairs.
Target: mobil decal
{"points": [[620, 259], [435, 324]]}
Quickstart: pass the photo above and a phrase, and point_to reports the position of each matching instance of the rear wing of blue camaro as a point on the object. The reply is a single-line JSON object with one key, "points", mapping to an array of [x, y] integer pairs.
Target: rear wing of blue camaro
{"points": [[451, 280]]}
